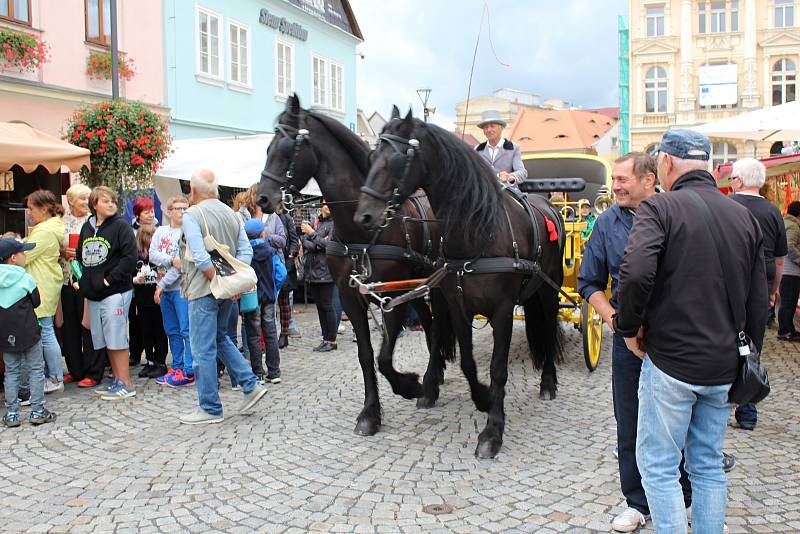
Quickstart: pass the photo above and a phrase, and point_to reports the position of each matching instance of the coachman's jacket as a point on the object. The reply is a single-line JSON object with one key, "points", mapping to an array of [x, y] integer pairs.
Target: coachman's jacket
{"points": [[671, 282], [507, 158]]}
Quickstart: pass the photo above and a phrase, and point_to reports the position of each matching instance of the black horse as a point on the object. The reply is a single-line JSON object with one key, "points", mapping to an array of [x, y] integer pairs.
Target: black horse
{"points": [[497, 250], [308, 144]]}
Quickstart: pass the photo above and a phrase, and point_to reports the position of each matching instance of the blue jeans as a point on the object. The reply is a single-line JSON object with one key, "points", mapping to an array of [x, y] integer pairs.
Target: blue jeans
{"points": [[175, 314], [207, 315], [18, 364], [52, 350], [675, 416], [337, 306]]}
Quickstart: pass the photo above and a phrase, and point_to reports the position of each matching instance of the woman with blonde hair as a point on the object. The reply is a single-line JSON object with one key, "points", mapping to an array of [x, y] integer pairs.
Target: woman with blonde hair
{"points": [[85, 364], [43, 265]]}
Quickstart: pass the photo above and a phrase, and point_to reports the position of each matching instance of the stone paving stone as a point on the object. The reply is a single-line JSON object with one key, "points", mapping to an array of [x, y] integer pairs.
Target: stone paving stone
{"points": [[295, 465]]}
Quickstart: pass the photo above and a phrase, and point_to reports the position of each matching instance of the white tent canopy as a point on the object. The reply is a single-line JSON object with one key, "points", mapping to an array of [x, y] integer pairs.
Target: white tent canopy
{"points": [[775, 123], [237, 161]]}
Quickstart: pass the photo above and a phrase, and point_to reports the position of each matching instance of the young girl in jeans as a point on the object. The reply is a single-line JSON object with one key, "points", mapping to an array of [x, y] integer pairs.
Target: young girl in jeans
{"points": [[150, 321]]}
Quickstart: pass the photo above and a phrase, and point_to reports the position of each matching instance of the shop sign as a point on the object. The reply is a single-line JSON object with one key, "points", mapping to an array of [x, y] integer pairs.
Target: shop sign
{"points": [[292, 29], [6, 181]]}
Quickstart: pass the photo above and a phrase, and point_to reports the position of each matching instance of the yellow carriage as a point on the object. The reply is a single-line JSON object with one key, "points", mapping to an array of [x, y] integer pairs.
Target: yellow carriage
{"points": [[596, 172]]}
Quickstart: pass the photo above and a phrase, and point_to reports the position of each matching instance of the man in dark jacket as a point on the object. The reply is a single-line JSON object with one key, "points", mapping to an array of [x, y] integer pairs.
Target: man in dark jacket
{"points": [[674, 313], [107, 252]]}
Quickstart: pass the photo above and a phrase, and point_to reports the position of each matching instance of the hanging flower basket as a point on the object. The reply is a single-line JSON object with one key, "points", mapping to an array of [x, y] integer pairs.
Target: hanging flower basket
{"points": [[98, 66], [127, 142], [22, 50]]}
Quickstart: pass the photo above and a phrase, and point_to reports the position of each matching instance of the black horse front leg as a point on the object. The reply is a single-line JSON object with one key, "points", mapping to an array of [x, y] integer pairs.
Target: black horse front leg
{"points": [[462, 325], [404, 384], [441, 342], [490, 440], [369, 420]]}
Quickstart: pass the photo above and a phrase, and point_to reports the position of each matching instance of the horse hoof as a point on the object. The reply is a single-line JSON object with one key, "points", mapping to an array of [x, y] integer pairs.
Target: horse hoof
{"points": [[546, 394], [366, 427], [488, 449], [425, 403]]}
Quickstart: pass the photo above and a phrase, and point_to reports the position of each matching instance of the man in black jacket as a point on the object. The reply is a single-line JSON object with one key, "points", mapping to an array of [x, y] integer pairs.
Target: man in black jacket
{"points": [[674, 313]]}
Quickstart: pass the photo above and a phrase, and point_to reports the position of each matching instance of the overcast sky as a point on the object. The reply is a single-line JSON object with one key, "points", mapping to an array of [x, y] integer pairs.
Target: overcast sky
{"points": [[556, 49]]}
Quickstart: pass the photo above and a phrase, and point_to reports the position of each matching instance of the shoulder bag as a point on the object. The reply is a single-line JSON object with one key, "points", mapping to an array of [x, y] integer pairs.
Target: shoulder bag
{"points": [[752, 380]]}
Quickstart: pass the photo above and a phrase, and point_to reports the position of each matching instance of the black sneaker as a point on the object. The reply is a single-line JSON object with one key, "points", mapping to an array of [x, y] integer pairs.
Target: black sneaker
{"points": [[728, 462], [283, 341], [145, 370], [261, 378], [319, 347], [40, 417], [274, 379], [157, 371], [326, 347], [24, 396]]}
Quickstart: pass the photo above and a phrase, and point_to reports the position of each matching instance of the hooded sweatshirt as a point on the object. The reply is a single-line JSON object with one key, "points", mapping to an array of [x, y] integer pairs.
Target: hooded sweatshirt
{"points": [[106, 252], [19, 328], [42, 263]]}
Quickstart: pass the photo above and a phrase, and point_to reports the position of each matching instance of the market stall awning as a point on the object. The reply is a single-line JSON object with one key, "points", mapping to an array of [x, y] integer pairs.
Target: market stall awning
{"points": [[774, 123], [236, 161], [29, 148]]}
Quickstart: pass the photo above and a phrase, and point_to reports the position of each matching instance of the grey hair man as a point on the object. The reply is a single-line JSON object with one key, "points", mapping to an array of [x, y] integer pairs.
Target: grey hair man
{"points": [[675, 312], [503, 155], [208, 314], [747, 177]]}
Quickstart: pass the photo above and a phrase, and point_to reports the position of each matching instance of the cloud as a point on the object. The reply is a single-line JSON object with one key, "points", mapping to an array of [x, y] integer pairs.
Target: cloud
{"points": [[554, 49]]}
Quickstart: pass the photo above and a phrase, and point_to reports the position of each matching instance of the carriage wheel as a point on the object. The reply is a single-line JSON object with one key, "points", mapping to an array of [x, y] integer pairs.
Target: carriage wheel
{"points": [[592, 328]]}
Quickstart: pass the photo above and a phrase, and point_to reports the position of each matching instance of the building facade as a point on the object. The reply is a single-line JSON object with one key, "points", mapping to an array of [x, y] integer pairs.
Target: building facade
{"points": [[697, 61], [231, 64], [46, 97]]}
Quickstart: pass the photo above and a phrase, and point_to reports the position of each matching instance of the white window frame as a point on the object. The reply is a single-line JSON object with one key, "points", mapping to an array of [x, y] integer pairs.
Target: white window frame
{"points": [[718, 22], [659, 86], [338, 103], [247, 82], [220, 46], [778, 79], [288, 90], [728, 153], [662, 17], [320, 91], [784, 8], [702, 17]]}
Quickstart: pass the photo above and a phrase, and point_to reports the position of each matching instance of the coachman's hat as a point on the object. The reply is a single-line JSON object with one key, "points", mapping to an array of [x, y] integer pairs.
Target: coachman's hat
{"points": [[491, 116]]}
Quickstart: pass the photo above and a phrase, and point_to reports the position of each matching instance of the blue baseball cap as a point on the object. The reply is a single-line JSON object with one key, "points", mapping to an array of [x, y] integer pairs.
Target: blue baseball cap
{"points": [[685, 144], [254, 227], [10, 246]]}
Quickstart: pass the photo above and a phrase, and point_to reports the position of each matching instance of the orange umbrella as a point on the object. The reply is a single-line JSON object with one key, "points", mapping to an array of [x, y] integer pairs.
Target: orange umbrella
{"points": [[27, 147]]}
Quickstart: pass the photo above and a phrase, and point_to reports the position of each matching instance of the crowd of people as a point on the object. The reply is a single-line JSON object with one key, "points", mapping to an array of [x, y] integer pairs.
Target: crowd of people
{"points": [[90, 289]]}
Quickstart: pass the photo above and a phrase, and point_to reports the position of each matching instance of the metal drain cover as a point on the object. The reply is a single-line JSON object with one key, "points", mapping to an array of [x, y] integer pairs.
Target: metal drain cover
{"points": [[438, 509]]}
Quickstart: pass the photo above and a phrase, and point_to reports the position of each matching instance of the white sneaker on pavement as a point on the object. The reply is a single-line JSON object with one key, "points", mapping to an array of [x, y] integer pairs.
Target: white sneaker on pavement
{"points": [[629, 520], [51, 386], [250, 399], [689, 518], [200, 417]]}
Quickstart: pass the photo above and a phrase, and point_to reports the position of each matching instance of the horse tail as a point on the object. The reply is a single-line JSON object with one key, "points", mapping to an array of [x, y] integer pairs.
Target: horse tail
{"points": [[543, 329], [444, 337]]}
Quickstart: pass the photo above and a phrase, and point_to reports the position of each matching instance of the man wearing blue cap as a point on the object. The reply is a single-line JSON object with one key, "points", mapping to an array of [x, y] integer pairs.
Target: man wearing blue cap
{"points": [[676, 312]]}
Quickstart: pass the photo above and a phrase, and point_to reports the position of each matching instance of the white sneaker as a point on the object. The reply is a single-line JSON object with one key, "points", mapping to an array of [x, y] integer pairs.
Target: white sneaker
{"points": [[340, 330], [200, 417], [629, 520], [51, 386]]}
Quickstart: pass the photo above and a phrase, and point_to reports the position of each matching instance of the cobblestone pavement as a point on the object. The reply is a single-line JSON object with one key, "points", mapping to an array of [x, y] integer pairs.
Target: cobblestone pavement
{"points": [[296, 465]]}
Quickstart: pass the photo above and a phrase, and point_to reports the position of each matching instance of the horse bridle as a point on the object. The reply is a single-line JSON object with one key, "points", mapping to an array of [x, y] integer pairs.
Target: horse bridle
{"points": [[288, 187], [399, 167]]}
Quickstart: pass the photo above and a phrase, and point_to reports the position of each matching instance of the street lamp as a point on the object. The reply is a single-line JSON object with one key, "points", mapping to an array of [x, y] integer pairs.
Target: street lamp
{"points": [[424, 94]]}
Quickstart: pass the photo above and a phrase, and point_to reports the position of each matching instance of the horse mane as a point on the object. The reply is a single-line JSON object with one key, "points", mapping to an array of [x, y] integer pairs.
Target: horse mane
{"points": [[474, 203], [352, 144]]}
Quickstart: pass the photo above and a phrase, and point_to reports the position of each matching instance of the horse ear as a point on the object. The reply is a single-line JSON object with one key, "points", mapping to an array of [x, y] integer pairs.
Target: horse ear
{"points": [[409, 116], [293, 104], [395, 113]]}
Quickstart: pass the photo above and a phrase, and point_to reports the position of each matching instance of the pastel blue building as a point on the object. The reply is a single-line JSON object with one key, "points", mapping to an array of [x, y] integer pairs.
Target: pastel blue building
{"points": [[230, 64]]}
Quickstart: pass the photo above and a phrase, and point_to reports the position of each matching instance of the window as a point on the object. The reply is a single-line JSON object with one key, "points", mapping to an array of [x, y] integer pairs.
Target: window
{"points": [[784, 13], [655, 21], [701, 17], [98, 21], [320, 77], [208, 46], [784, 78], [722, 153], [337, 84], [735, 16], [16, 10], [285, 75], [240, 53], [717, 17], [655, 90]]}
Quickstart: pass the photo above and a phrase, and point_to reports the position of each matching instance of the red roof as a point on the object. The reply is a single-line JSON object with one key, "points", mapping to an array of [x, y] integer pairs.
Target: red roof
{"points": [[553, 130], [609, 112]]}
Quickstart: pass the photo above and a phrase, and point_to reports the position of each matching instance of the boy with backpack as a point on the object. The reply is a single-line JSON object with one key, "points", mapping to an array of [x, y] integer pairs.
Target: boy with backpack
{"points": [[20, 334]]}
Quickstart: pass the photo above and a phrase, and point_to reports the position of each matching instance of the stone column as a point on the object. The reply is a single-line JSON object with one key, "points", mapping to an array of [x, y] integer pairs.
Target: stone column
{"points": [[750, 94], [686, 95]]}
